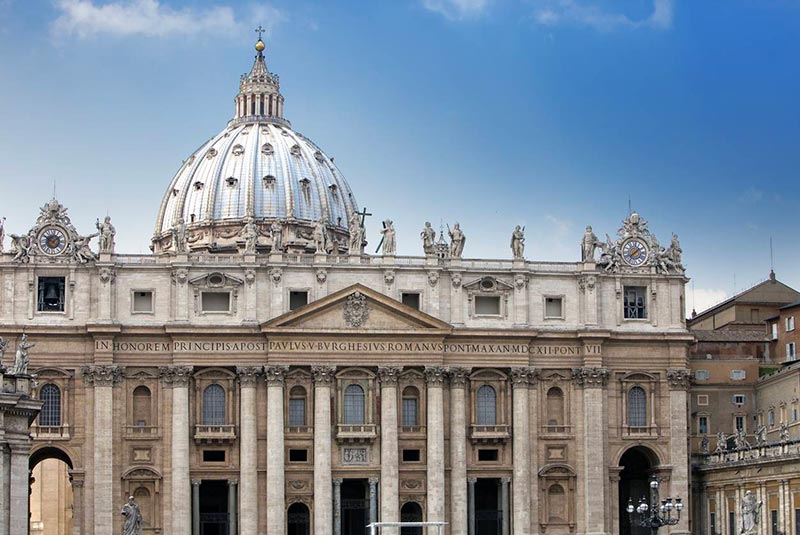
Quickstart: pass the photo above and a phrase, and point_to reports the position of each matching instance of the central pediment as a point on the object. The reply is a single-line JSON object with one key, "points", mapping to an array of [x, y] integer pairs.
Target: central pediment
{"points": [[356, 308]]}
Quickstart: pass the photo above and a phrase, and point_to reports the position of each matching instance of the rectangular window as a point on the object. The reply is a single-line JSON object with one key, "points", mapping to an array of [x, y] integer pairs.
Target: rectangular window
{"points": [[487, 305], [791, 354], [297, 299], [771, 418], [142, 302], [50, 294], [738, 375], [410, 299], [553, 307], [213, 456], [411, 456], [216, 301], [409, 412], [702, 375], [774, 331], [794, 413], [702, 425], [635, 302], [702, 399], [297, 412], [739, 399], [739, 423], [298, 455], [790, 323], [488, 455]]}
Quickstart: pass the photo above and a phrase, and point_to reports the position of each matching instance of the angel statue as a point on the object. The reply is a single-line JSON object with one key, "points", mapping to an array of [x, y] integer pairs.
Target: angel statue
{"points": [[133, 518], [21, 359], [751, 510]]}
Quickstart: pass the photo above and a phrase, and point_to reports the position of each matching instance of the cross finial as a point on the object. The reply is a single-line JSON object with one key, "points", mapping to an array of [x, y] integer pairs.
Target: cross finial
{"points": [[259, 31]]}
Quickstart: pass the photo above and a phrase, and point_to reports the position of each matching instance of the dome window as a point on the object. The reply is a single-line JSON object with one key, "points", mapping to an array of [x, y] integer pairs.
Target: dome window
{"points": [[190, 161], [318, 155], [334, 191], [231, 181], [198, 185], [237, 150], [269, 181], [175, 192], [305, 187], [211, 153], [284, 132], [265, 131], [295, 150], [267, 149]]}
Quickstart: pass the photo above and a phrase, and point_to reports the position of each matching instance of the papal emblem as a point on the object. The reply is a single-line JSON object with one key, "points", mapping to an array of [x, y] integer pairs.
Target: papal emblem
{"points": [[356, 310]]}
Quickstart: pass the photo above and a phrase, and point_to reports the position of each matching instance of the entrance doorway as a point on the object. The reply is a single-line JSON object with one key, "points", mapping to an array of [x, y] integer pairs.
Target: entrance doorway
{"points": [[50, 493], [637, 466], [488, 510], [411, 512], [214, 507], [355, 506], [298, 519]]}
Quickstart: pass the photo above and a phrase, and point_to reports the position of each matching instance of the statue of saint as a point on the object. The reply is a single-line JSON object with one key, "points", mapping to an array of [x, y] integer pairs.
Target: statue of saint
{"points": [[356, 234], [761, 435], [320, 237], [675, 252], [722, 443], [389, 238], [250, 234], [751, 511], [276, 231], [784, 433], [428, 236], [741, 440], [704, 444], [3, 347], [518, 243], [589, 244], [21, 360], [179, 236], [2, 233], [457, 239], [107, 233], [133, 518]]}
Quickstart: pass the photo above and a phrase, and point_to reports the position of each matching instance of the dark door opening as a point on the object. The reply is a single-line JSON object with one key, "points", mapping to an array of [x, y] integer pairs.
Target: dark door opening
{"points": [[411, 512], [488, 511], [298, 519], [634, 484], [214, 507], [355, 507]]}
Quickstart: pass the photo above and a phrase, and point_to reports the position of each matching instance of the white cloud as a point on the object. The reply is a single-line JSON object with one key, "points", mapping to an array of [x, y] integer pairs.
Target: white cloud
{"points": [[701, 299], [582, 13], [150, 18], [457, 9]]}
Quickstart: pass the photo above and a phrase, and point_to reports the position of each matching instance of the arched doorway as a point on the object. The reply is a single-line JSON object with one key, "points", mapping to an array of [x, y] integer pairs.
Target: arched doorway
{"points": [[298, 519], [637, 466], [51, 499], [411, 512]]}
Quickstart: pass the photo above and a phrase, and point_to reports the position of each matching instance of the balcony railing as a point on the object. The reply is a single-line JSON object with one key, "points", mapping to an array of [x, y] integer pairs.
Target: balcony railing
{"points": [[142, 431], [490, 433], [298, 430], [415, 430], [771, 452], [556, 429], [356, 433], [50, 432], [214, 433]]}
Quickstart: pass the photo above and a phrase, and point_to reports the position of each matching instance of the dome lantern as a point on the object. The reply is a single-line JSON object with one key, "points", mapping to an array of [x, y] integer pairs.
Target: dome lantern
{"points": [[259, 95]]}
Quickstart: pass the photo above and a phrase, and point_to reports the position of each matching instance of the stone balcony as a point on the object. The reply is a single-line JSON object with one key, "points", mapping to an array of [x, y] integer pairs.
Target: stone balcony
{"points": [[412, 431], [489, 434], [210, 434], [362, 433], [141, 432], [771, 452], [299, 431], [50, 432]]}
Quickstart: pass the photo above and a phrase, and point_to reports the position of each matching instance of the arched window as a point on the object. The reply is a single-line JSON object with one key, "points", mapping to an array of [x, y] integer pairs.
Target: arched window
{"points": [[51, 411], [555, 406], [487, 406], [411, 512], [297, 407], [141, 406], [354, 405], [637, 407], [298, 519], [410, 407], [557, 504], [214, 405]]}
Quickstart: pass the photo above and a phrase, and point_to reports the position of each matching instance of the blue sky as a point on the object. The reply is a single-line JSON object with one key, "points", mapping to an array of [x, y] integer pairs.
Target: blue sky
{"points": [[544, 113]]}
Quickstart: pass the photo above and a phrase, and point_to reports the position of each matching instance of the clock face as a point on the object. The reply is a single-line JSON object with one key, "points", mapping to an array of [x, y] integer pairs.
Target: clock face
{"points": [[52, 241], [634, 252]]}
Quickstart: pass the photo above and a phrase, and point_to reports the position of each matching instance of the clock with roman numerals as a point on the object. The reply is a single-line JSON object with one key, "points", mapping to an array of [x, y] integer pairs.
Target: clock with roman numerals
{"points": [[635, 252], [52, 240]]}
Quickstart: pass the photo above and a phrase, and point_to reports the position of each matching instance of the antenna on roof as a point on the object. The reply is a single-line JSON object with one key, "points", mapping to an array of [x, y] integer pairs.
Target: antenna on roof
{"points": [[54, 188], [630, 210], [771, 258]]}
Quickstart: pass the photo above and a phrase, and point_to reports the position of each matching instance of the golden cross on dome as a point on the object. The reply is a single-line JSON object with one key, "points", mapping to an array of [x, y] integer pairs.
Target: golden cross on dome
{"points": [[259, 31]]}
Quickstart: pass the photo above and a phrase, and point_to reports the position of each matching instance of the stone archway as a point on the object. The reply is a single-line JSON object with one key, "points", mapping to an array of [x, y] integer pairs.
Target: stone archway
{"points": [[637, 465], [52, 500]]}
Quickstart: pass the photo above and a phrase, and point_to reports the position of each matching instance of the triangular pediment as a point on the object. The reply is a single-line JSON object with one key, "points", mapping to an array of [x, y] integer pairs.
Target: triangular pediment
{"points": [[356, 308]]}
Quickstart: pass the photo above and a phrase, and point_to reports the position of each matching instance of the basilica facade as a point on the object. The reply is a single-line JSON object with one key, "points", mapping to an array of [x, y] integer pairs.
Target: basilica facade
{"points": [[259, 373]]}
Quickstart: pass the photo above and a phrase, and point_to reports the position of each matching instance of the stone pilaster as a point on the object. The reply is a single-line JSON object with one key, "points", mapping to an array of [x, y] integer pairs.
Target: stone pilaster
{"points": [[19, 482], [390, 475], [276, 485], [232, 516], [593, 381], [337, 506], [103, 379], [521, 379], [458, 450], [324, 521], [435, 377], [196, 506], [679, 380], [471, 504], [504, 506], [373, 500], [178, 378], [77, 506], [248, 449]]}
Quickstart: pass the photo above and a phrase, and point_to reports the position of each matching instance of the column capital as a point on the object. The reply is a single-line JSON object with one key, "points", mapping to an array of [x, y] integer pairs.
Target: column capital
{"points": [[590, 377], [104, 375], [274, 375], [472, 480], [373, 481], [524, 376], [389, 374], [176, 375], [679, 378], [505, 480], [458, 376], [323, 375], [248, 375], [233, 482], [434, 375], [338, 481], [197, 482]]}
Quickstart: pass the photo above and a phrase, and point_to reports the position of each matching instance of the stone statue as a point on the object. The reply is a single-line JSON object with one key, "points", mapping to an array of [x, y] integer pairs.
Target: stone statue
{"points": [[457, 239], [2, 233], [81, 250], [21, 360], [389, 238], [761, 435], [320, 237], [356, 234], [179, 236], [518, 243], [675, 251], [722, 443], [21, 247], [589, 244], [250, 234], [107, 233], [751, 511], [133, 518], [740, 440], [3, 347], [784, 433], [276, 231], [704, 444], [428, 236]]}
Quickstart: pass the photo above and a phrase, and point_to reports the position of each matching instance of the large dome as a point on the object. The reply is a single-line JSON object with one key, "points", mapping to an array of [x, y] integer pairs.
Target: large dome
{"points": [[256, 167]]}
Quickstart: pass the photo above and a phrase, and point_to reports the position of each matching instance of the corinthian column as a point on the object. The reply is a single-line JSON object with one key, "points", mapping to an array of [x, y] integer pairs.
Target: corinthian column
{"points": [[435, 376], [458, 450], [178, 377], [593, 381], [323, 487], [520, 380], [103, 378], [678, 449], [390, 475], [276, 487], [248, 450]]}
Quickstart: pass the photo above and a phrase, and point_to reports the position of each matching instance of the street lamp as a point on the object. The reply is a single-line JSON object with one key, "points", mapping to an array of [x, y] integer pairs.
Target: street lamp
{"points": [[656, 514]]}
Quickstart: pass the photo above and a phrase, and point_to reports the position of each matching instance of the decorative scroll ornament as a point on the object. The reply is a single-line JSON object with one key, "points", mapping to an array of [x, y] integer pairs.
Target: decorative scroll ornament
{"points": [[323, 375], [389, 374], [433, 278], [322, 276], [275, 374], [176, 375], [248, 375], [107, 275], [388, 277], [356, 310], [276, 274], [106, 375], [590, 377], [435, 375], [456, 280], [458, 376], [523, 377], [679, 378]]}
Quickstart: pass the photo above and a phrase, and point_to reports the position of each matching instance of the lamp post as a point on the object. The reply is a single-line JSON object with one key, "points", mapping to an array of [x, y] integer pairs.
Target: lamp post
{"points": [[657, 513]]}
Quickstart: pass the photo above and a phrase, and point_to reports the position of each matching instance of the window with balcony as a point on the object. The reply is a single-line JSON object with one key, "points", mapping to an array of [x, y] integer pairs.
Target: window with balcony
{"points": [[214, 405], [487, 406], [297, 407], [354, 405], [637, 407], [410, 407]]}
